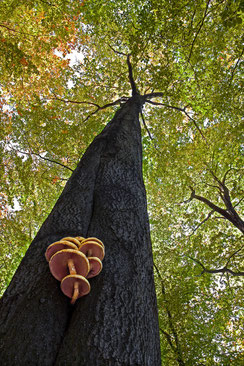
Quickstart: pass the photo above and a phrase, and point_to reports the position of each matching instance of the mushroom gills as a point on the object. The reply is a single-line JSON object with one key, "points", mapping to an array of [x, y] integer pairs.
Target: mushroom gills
{"points": [[93, 239], [64, 261], [92, 249], [95, 267], [72, 240], [57, 246], [75, 286]]}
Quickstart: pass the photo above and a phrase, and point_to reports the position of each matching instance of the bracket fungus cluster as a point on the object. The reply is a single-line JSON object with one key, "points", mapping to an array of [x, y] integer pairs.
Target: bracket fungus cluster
{"points": [[72, 261]]}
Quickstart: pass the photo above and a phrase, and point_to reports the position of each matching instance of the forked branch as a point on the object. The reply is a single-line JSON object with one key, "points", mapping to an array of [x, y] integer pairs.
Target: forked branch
{"points": [[222, 271], [98, 107], [229, 213]]}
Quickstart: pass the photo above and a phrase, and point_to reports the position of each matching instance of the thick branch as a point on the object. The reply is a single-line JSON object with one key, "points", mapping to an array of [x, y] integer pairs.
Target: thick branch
{"points": [[237, 223], [131, 78], [225, 196]]}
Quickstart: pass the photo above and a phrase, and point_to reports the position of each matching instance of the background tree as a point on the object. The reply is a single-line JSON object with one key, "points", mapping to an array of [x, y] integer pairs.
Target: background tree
{"points": [[190, 53]]}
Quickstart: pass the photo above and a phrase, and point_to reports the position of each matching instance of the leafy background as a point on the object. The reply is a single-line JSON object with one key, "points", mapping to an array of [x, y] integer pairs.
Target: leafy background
{"points": [[192, 53]]}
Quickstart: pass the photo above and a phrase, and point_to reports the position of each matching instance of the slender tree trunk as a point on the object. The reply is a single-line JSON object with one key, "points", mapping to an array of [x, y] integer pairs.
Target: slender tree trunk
{"points": [[116, 324]]}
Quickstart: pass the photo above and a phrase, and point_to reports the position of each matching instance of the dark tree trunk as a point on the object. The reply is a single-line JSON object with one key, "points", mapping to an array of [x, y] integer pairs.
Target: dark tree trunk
{"points": [[116, 324]]}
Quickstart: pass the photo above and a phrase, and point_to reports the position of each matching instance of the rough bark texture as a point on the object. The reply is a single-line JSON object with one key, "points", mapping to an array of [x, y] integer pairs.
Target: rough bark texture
{"points": [[116, 324]]}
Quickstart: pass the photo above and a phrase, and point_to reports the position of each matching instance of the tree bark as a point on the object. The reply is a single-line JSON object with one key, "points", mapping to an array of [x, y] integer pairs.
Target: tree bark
{"points": [[116, 324]]}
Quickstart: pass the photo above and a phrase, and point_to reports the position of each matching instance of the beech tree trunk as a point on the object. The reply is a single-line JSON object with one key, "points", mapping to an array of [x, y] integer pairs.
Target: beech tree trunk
{"points": [[117, 323]]}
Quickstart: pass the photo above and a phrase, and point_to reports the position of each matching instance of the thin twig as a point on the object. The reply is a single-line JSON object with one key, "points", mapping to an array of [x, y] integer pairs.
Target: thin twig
{"points": [[183, 110], [239, 202], [144, 124], [202, 222], [98, 107], [198, 31], [74, 101], [43, 158], [177, 347], [26, 34], [233, 254], [196, 125], [168, 337], [48, 3], [237, 63], [118, 52]]}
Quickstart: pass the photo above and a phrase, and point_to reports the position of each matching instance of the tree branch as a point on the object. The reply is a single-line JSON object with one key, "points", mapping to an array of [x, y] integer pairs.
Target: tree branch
{"points": [[196, 125], [221, 271], [118, 52], [183, 110], [165, 105], [225, 196], [43, 158], [98, 107], [237, 63], [74, 101], [168, 337], [47, 2], [131, 78], [198, 31], [225, 175], [26, 34], [233, 254], [202, 222], [235, 220], [177, 347], [144, 124], [237, 204]]}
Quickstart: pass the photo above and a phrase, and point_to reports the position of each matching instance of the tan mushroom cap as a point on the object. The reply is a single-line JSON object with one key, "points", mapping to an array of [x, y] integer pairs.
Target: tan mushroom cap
{"points": [[72, 240], [57, 246], [92, 249], [70, 282], [95, 267], [94, 239], [59, 267], [80, 238]]}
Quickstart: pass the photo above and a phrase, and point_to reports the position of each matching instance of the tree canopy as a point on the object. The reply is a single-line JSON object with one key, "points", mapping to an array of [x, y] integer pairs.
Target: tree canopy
{"points": [[64, 72]]}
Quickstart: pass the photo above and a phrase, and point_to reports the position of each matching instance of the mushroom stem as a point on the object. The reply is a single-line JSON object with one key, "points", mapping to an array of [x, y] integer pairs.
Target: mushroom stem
{"points": [[89, 253], [71, 266], [75, 293]]}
